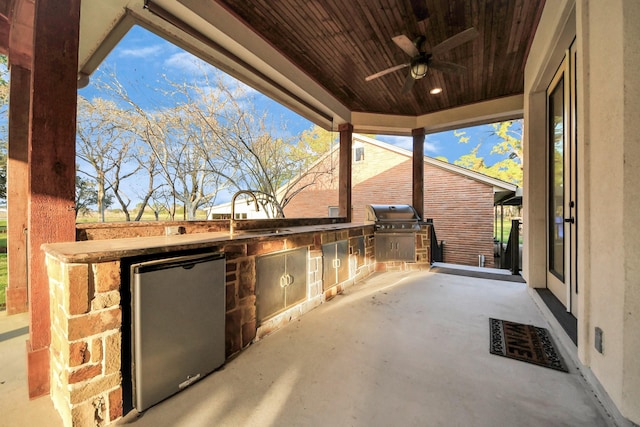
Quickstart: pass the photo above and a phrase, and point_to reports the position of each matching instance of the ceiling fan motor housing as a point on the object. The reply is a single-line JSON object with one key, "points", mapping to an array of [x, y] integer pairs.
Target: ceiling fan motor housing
{"points": [[419, 42]]}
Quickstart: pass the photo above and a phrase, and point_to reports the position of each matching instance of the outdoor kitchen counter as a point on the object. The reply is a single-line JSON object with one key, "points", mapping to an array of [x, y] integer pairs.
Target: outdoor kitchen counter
{"points": [[91, 251], [90, 296]]}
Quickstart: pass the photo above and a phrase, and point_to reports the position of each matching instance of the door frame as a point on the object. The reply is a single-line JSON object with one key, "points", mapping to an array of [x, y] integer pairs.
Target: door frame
{"points": [[565, 287]]}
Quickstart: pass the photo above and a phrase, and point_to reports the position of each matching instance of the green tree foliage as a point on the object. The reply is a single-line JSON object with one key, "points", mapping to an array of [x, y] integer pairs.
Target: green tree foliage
{"points": [[509, 146], [315, 140], [4, 80], [312, 144], [87, 196]]}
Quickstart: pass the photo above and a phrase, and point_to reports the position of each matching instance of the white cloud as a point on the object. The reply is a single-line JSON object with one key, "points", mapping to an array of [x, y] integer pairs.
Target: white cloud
{"points": [[431, 146], [235, 85], [186, 62], [143, 52], [406, 142], [195, 69]]}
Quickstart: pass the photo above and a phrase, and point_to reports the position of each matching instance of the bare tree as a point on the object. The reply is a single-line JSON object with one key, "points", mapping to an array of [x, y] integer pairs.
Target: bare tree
{"points": [[102, 146], [211, 138], [149, 163], [176, 144], [175, 139], [254, 157]]}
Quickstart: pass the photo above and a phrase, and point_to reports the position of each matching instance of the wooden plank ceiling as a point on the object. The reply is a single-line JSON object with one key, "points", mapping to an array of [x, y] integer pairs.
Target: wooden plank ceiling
{"points": [[339, 43]]}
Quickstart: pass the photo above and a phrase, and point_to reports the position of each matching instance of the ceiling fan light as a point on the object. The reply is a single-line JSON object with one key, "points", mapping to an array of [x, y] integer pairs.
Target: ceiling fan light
{"points": [[419, 68], [435, 90]]}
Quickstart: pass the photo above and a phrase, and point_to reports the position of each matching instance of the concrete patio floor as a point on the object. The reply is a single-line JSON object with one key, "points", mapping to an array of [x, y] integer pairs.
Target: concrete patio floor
{"points": [[16, 410], [399, 349]]}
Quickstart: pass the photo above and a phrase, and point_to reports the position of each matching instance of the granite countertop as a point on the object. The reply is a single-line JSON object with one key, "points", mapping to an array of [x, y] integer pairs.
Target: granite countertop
{"points": [[114, 249]]}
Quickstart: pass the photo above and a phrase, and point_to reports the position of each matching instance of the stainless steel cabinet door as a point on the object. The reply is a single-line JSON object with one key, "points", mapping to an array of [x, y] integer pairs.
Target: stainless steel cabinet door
{"points": [[296, 270], [281, 282], [269, 293], [395, 247], [335, 263]]}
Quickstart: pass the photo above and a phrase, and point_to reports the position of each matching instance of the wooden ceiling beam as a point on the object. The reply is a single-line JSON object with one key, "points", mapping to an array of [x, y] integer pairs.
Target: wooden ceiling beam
{"points": [[20, 35], [4, 34]]}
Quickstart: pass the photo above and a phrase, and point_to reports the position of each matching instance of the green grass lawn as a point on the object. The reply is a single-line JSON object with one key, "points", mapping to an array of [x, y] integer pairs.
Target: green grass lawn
{"points": [[115, 215], [110, 217], [506, 230], [3, 279]]}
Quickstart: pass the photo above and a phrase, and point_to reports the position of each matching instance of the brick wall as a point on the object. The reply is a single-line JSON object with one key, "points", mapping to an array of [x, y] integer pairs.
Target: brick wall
{"points": [[462, 212], [462, 208], [383, 177]]}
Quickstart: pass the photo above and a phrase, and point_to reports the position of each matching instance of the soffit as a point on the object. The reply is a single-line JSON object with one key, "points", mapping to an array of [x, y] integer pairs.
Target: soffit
{"points": [[313, 56]]}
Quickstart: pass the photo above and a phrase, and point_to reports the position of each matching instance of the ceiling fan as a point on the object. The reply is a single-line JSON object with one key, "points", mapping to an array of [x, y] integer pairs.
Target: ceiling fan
{"points": [[421, 60]]}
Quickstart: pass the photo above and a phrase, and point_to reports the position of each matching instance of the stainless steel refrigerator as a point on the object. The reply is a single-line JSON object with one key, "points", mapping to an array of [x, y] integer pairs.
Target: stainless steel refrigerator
{"points": [[178, 324]]}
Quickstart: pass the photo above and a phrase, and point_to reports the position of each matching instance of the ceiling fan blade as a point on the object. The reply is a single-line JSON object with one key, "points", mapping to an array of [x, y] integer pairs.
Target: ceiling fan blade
{"points": [[408, 84], [406, 44], [455, 41], [420, 9], [387, 71], [447, 67]]}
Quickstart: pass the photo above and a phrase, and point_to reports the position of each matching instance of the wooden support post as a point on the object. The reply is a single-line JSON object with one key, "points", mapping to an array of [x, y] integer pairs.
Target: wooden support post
{"points": [[17, 189], [52, 164], [344, 196], [418, 171]]}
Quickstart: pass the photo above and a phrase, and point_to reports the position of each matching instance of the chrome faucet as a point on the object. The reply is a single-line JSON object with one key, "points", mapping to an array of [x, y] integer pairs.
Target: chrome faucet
{"points": [[232, 223]]}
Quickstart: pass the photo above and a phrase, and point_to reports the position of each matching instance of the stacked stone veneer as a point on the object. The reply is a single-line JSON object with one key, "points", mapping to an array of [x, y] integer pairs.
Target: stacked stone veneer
{"points": [[423, 254], [85, 342], [86, 318]]}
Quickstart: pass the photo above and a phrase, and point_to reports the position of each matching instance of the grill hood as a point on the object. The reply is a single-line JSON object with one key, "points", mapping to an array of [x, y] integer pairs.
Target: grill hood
{"points": [[391, 213]]}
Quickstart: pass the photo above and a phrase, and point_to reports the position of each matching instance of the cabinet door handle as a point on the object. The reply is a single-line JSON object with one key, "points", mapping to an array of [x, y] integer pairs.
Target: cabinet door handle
{"points": [[286, 280], [336, 263]]}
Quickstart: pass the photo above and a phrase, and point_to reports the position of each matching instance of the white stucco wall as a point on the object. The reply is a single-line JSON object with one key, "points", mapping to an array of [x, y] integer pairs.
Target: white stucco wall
{"points": [[608, 40], [606, 144], [612, 38], [631, 222]]}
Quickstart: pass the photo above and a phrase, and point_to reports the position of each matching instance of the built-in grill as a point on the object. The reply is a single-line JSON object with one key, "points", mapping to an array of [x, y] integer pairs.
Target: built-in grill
{"points": [[395, 231], [393, 218]]}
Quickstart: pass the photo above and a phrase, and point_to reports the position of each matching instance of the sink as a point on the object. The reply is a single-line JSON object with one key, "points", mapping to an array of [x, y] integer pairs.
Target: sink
{"points": [[264, 231]]}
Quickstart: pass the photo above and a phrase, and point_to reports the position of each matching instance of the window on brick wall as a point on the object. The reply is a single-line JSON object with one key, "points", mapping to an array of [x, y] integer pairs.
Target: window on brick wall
{"points": [[358, 152], [334, 211]]}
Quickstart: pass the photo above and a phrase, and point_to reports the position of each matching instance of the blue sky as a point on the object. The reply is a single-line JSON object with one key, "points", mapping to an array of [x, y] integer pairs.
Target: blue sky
{"points": [[142, 58]]}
